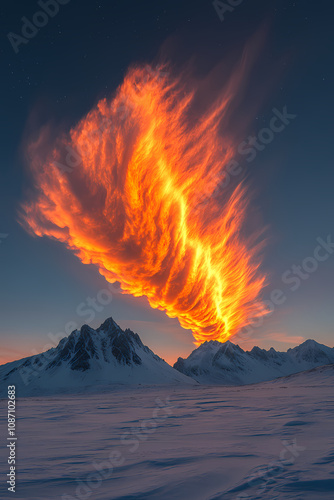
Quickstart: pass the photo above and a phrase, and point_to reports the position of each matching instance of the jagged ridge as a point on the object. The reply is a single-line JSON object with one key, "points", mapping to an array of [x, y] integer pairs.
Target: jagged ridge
{"points": [[226, 363], [88, 357]]}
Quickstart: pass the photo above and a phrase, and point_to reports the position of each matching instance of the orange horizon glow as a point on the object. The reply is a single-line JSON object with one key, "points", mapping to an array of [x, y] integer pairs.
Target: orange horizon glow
{"points": [[140, 204]]}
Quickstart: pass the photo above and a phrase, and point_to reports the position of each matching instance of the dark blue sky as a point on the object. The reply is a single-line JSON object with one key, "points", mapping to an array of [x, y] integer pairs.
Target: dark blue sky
{"points": [[80, 56]]}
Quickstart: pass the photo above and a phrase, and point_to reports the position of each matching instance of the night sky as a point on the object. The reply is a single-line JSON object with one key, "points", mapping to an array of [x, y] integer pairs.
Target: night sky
{"points": [[81, 56]]}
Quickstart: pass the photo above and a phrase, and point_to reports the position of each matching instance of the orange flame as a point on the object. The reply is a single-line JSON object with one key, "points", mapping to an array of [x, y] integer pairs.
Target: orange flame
{"points": [[132, 204]]}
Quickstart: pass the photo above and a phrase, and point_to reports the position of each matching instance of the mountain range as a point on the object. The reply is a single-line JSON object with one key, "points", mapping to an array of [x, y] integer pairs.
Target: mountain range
{"points": [[226, 363], [89, 359], [101, 359]]}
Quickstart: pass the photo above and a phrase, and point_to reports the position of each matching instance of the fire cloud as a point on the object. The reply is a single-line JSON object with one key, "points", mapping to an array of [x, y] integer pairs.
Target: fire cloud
{"points": [[137, 201]]}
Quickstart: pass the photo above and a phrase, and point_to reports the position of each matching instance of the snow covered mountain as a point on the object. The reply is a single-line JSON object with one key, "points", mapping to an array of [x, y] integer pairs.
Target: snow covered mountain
{"points": [[319, 376], [87, 359], [94, 360], [226, 363]]}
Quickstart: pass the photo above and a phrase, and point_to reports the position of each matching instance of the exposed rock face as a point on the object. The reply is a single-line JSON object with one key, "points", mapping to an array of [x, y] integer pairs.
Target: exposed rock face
{"points": [[226, 363]]}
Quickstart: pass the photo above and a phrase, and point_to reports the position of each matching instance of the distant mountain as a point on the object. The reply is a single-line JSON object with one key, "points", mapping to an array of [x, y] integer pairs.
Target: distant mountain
{"points": [[88, 359], [226, 363], [321, 375], [95, 360]]}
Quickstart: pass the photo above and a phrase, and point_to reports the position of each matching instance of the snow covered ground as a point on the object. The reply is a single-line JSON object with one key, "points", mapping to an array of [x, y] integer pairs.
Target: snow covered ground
{"points": [[267, 441]]}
